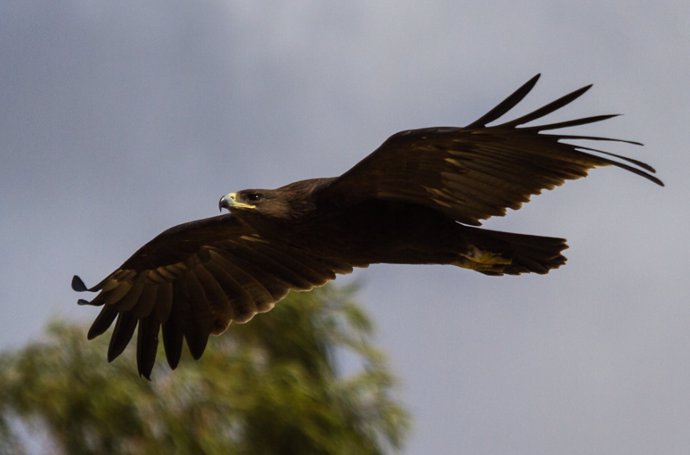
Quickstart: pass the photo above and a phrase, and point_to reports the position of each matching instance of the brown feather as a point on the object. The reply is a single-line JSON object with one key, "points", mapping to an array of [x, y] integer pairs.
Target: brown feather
{"points": [[410, 201]]}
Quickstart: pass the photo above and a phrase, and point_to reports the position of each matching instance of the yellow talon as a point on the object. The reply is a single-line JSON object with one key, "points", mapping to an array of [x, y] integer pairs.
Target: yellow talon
{"points": [[482, 261]]}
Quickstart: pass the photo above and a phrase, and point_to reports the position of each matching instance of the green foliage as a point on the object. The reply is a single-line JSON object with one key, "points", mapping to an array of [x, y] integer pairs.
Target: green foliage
{"points": [[268, 387]]}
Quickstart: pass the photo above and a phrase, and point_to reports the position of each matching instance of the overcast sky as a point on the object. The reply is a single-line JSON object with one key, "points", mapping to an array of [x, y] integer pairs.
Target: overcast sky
{"points": [[120, 119]]}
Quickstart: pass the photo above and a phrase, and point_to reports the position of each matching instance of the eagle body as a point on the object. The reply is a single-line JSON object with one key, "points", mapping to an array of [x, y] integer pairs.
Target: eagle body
{"points": [[419, 198], [373, 230]]}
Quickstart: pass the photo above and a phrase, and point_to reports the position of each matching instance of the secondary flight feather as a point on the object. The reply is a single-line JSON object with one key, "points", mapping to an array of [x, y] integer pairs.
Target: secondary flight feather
{"points": [[417, 199]]}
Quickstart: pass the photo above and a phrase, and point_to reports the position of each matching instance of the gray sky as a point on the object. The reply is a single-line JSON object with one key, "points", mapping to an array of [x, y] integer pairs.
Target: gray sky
{"points": [[120, 119]]}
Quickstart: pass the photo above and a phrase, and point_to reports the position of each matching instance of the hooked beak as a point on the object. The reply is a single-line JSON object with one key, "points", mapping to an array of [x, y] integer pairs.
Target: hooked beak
{"points": [[229, 201]]}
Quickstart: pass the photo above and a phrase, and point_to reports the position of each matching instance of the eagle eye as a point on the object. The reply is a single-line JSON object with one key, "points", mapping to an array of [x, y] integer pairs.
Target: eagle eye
{"points": [[253, 197]]}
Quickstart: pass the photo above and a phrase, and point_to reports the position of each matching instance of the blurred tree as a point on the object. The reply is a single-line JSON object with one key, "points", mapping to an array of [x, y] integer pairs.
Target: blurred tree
{"points": [[269, 387]]}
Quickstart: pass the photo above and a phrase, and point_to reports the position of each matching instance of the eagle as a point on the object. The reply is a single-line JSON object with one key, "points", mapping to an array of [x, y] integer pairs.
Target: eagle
{"points": [[417, 199]]}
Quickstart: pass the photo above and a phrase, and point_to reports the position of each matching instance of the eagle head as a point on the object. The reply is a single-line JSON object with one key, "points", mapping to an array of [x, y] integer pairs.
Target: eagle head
{"points": [[270, 203]]}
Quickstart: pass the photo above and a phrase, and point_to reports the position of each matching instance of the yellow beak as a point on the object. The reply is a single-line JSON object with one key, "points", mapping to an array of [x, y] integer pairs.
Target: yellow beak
{"points": [[229, 201]]}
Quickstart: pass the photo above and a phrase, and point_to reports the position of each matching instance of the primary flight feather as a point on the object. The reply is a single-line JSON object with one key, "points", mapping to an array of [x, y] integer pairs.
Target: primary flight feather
{"points": [[414, 200]]}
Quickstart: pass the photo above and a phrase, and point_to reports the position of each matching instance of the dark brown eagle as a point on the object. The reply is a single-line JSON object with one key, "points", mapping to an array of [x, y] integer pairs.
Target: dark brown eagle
{"points": [[414, 200]]}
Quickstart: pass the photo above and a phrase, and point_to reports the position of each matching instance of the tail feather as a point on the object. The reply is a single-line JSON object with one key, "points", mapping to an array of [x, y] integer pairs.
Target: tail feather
{"points": [[499, 253]]}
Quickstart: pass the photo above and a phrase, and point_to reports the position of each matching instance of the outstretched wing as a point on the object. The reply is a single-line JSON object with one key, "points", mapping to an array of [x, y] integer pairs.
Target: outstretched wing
{"points": [[478, 171], [194, 280]]}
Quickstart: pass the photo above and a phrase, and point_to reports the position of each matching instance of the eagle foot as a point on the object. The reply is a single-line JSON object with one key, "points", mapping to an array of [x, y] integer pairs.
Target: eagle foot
{"points": [[482, 260]]}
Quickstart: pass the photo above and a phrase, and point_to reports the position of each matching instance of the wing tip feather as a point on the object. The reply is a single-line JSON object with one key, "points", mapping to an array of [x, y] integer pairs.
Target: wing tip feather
{"points": [[507, 104], [78, 284]]}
